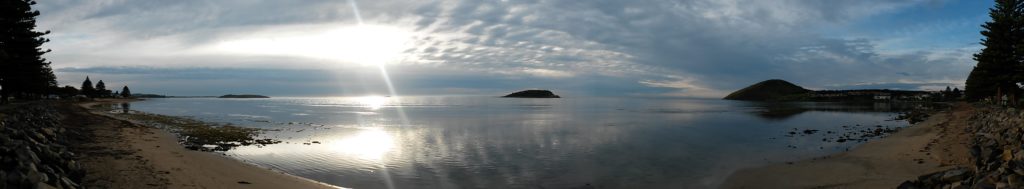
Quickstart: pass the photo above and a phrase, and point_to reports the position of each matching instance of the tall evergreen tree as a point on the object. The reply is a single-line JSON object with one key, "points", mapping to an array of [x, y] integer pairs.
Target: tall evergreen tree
{"points": [[999, 63], [125, 92], [87, 88], [101, 89], [23, 70]]}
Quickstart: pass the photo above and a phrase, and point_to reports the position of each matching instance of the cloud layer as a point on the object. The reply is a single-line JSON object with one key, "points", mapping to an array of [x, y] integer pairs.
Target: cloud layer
{"points": [[700, 48]]}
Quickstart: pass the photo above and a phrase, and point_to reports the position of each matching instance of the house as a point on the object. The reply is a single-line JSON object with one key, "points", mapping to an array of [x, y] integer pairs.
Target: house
{"points": [[883, 96]]}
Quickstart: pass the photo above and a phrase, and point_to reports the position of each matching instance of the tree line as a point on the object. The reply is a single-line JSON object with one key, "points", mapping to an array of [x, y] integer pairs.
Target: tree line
{"points": [[1000, 69], [24, 73], [94, 91]]}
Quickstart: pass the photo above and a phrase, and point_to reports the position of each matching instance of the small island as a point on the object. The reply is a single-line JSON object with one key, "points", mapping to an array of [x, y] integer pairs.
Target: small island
{"points": [[770, 90], [532, 94], [243, 96]]}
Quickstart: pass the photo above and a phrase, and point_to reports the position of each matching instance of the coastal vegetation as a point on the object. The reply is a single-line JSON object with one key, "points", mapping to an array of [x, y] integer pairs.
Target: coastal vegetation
{"points": [[97, 91], [1000, 68], [193, 134], [24, 73]]}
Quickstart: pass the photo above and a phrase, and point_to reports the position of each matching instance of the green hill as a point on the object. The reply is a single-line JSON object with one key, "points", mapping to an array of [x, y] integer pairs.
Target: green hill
{"points": [[770, 90]]}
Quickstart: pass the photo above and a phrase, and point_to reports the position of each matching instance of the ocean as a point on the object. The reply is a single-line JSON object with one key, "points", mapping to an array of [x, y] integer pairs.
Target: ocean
{"points": [[491, 142]]}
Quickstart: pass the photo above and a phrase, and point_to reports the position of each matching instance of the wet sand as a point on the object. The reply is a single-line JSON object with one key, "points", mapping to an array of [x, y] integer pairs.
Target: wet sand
{"points": [[883, 163], [123, 154]]}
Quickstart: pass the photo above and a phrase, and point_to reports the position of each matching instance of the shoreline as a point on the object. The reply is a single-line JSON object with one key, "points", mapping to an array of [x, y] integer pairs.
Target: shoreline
{"points": [[157, 152], [883, 163]]}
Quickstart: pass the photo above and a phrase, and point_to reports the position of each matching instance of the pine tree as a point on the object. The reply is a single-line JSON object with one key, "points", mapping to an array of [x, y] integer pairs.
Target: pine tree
{"points": [[998, 69], [125, 92], [101, 89], [87, 88], [23, 70]]}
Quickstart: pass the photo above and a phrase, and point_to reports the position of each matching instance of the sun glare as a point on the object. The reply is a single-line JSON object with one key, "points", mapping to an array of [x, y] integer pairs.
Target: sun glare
{"points": [[367, 144], [372, 102], [362, 44]]}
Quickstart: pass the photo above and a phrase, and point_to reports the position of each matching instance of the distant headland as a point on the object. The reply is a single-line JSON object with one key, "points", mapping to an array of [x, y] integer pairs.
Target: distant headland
{"points": [[769, 90], [780, 90], [532, 94], [243, 96]]}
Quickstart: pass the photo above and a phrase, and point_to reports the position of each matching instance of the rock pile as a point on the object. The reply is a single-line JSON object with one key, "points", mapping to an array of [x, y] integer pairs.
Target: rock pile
{"points": [[996, 148], [34, 152]]}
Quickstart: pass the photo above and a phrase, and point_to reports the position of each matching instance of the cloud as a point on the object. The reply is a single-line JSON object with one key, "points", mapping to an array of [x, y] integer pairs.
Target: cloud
{"points": [[682, 48]]}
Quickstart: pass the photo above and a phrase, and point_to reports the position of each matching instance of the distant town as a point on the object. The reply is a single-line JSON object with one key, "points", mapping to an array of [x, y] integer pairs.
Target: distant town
{"points": [[886, 95]]}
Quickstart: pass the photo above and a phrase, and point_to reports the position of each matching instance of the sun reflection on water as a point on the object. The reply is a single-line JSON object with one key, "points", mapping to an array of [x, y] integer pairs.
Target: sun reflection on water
{"points": [[370, 143], [372, 102]]}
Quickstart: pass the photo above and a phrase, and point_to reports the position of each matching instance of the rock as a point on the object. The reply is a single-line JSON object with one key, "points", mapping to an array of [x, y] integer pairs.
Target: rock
{"points": [[1007, 155], [1014, 180], [67, 183], [33, 153], [39, 137], [48, 132], [26, 154], [41, 185], [35, 176], [954, 175], [1001, 185], [984, 183], [908, 185]]}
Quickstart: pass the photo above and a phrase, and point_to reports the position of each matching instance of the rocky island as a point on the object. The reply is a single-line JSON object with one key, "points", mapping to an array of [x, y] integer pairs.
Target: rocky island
{"points": [[243, 96], [532, 94]]}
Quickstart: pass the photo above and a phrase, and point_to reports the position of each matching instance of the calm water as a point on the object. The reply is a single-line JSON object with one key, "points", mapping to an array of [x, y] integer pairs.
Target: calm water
{"points": [[487, 142]]}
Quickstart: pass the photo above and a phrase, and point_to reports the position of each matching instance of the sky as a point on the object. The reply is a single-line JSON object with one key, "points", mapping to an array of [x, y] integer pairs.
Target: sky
{"points": [[653, 48]]}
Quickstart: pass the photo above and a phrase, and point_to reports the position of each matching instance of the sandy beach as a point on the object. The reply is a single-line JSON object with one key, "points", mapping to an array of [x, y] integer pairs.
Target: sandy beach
{"points": [[129, 155], [884, 163]]}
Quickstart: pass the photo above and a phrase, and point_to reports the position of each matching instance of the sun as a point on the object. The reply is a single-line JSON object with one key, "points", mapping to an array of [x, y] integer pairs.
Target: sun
{"points": [[372, 45]]}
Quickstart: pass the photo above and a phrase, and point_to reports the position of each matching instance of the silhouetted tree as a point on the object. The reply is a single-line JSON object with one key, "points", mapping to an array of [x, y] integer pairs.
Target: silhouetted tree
{"points": [[87, 88], [125, 92], [23, 70], [67, 91], [998, 69], [101, 89]]}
